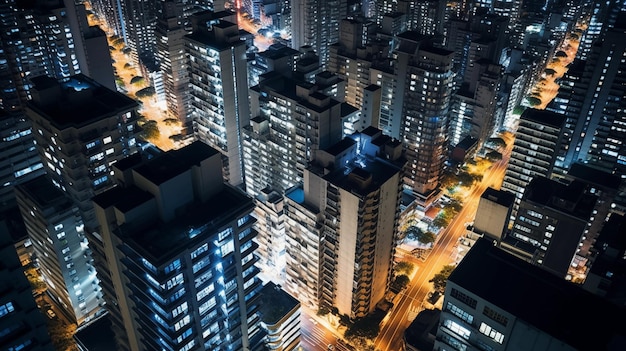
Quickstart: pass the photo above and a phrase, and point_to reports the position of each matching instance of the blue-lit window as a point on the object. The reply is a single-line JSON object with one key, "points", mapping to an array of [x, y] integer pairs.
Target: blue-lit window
{"points": [[21, 346], [180, 309], [100, 180], [172, 266], [148, 265], [227, 248], [6, 309], [457, 329], [244, 233], [224, 234], [199, 251], [450, 307], [183, 336], [243, 220]]}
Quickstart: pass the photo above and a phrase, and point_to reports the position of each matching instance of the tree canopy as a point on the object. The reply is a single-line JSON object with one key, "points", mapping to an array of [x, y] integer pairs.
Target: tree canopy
{"points": [[440, 279], [533, 101]]}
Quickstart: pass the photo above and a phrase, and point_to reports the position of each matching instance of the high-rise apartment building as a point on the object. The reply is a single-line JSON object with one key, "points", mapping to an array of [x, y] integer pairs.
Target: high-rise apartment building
{"points": [[473, 109], [56, 230], [270, 225], [169, 33], [427, 88], [513, 305], [315, 23], [218, 77], [535, 149], [606, 273], [353, 55], [278, 57], [424, 16], [552, 220], [293, 121], [179, 242], [342, 222], [603, 109], [23, 325], [81, 129], [20, 160], [280, 317]]}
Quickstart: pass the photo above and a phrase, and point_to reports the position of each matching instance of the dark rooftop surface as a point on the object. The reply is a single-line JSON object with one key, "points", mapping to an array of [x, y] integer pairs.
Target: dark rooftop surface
{"points": [[558, 307], [595, 176], [44, 193], [347, 109], [274, 81], [208, 38], [545, 117], [159, 241], [569, 198], [275, 303], [170, 164], [501, 197], [275, 51], [340, 146], [89, 101], [97, 336], [416, 334]]}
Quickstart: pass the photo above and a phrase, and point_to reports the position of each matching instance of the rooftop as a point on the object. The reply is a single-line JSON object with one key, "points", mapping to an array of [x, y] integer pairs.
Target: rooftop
{"points": [[556, 306], [362, 175], [170, 164], [159, 242], [76, 102], [275, 303], [41, 191], [568, 198], [501, 197], [544, 117]]}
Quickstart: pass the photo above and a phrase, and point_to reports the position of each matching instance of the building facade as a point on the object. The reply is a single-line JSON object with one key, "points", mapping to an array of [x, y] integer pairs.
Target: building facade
{"points": [[81, 128], [535, 149], [219, 102], [57, 233], [356, 195], [184, 239], [496, 310]]}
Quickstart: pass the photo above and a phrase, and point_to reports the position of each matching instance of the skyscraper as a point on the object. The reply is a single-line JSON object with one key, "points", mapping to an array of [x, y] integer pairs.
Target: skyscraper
{"points": [[535, 149], [56, 230], [170, 31], [552, 220], [427, 88], [603, 109], [219, 101], [184, 239], [20, 160], [81, 129], [315, 23], [353, 190], [293, 121], [497, 310]]}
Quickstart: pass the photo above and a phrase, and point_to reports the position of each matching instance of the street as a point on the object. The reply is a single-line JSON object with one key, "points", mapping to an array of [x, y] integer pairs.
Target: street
{"points": [[444, 252]]}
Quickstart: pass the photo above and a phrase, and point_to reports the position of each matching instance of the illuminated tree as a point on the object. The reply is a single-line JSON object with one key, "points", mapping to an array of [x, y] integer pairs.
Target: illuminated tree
{"points": [[440, 279]]}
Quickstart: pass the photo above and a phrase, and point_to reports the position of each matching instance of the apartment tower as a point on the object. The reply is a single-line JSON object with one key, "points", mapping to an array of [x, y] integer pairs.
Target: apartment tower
{"points": [[353, 191], [535, 150], [427, 88], [57, 233], [219, 102], [179, 242]]}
